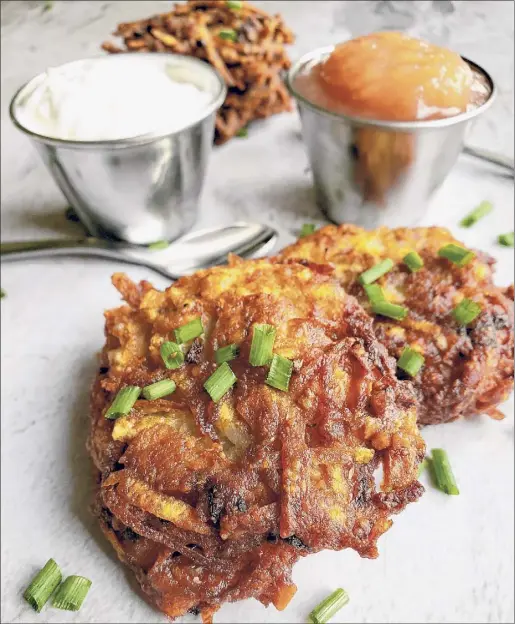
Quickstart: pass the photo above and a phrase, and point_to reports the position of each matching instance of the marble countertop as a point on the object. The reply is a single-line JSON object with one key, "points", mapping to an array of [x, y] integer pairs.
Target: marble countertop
{"points": [[447, 559]]}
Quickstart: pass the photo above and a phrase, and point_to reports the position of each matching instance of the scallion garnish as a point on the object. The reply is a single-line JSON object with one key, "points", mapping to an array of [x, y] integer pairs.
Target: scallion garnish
{"points": [[172, 355], [466, 311], [220, 381], [423, 465], [391, 310], [411, 361], [228, 34], [2, 293], [261, 349], [234, 4], [43, 585], [191, 330], [506, 240], [280, 373], [456, 254], [226, 354], [72, 593], [123, 402], [307, 229], [242, 133], [162, 244], [374, 292], [329, 607], [158, 390], [442, 471], [484, 208], [375, 272], [413, 261]]}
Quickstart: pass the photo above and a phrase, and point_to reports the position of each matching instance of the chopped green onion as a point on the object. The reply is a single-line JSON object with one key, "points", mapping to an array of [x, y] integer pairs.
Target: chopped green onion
{"points": [[443, 472], [158, 390], [220, 381], [466, 311], [2, 293], [226, 354], [72, 593], [391, 310], [234, 4], [329, 607], [423, 465], [71, 215], [411, 361], [43, 585], [484, 208], [159, 245], [375, 272], [456, 254], [191, 330], [228, 34], [507, 240], [280, 373], [48, 5], [123, 402], [374, 292], [261, 349], [242, 133], [172, 355], [307, 229], [413, 261]]}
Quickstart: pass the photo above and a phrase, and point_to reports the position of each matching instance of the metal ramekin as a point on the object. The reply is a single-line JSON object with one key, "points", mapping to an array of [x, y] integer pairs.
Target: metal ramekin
{"points": [[139, 189], [377, 172]]}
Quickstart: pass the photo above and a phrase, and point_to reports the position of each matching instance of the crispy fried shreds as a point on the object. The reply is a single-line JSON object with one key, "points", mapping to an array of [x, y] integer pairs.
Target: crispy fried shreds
{"points": [[246, 46], [214, 502], [467, 370]]}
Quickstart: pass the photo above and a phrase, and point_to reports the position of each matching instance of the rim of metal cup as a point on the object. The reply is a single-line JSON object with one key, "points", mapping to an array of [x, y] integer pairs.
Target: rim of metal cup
{"points": [[133, 141], [316, 56]]}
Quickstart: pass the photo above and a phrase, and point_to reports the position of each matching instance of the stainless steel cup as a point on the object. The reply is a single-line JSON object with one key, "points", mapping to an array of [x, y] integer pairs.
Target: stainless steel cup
{"points": [[140, 189], [377, 172]]}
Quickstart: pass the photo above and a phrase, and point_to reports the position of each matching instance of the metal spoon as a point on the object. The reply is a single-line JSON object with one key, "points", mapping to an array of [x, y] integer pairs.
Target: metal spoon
{"points": [[194, 251], [500, 160]]}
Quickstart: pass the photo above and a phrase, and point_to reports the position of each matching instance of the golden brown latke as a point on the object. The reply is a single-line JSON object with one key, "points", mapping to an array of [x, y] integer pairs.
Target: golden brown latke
{"points": [[468, 370], [213, 502]]}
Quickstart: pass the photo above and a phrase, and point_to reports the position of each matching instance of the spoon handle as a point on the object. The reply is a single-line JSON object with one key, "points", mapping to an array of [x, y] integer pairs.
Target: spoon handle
{"points": [[48, 248], [496, 159]]}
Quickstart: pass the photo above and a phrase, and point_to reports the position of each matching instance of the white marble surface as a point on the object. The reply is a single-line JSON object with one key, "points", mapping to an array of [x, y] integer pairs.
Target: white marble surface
{"points": [[446, 559]]}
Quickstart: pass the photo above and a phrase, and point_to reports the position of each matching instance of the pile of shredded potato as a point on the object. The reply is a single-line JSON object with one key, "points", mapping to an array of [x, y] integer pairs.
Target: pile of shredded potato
{"points": [[245, 45]]}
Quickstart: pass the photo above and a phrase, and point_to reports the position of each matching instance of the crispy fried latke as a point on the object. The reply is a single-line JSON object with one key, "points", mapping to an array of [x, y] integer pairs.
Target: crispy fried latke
{"points": [[468, 370], [245, 45], [213, 502]]}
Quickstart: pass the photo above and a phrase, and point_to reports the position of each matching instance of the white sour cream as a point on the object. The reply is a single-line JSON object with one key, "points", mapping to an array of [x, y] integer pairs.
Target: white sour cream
{"points": [[107, 101]]}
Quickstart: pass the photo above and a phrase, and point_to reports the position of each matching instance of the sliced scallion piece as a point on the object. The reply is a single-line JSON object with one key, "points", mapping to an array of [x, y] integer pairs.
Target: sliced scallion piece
{"points": [[484, 208], [159, 245], [329, 607], [158, 390], [228, 34], [123, 402], [307, 229], [280, 373], [43, 585], [220, 381], [261, 349], [413, 261], [189, 331], [2, 293], [466, 311], [390, 310], [374, 292], [443, 472], [72, 593], [242, 133], [456, 254], [506, 240], [172, 355], [375, 272], [234, 4], [423, 465], [411, 361], [227, 353]]}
